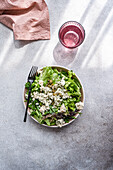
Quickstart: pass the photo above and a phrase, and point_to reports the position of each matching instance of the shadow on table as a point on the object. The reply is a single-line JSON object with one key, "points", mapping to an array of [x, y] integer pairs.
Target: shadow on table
{"points": [[96, 29], [63, 55], [55, 130], [22, 43], [90, 4]]}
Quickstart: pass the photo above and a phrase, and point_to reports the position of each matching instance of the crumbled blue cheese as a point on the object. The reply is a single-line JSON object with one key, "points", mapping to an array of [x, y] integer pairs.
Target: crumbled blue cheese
{"points": [[62, 108], [41, 82], [59, 91], [79, 105], [47, 97], [55, 86], [62, 92], [42, 109], [62, 81], [57, 100], [26, 96], [50, 95], [60, 122], [47, 105], [45, 89], [65, 95], [35, 95]]}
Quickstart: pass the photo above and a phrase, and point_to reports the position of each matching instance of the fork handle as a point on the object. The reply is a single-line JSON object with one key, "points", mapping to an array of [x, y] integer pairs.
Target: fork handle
{"points": [[25, 117]]}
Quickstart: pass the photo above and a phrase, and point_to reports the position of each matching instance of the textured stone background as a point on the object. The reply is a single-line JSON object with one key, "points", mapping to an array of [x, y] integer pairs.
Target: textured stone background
{"points": [[87, 143]]}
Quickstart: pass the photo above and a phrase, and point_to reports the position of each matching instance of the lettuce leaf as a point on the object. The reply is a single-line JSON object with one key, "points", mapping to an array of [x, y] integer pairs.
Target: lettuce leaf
{"points": [[49, 74]]}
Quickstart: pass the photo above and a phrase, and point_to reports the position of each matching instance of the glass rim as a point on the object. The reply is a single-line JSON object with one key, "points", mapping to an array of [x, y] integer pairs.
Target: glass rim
{"points": [[74, 22]]}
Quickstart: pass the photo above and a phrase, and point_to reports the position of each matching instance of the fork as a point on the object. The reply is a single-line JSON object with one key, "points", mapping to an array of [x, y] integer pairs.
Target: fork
{"points": [[31, 78]]}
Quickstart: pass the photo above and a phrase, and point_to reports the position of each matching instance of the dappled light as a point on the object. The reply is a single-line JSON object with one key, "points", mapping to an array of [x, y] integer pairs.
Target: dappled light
{"points": [[4, 50], [85, 144]]}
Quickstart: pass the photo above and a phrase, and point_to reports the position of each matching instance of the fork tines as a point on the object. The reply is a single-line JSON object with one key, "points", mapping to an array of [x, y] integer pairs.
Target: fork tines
{"points": [[33, 72]]}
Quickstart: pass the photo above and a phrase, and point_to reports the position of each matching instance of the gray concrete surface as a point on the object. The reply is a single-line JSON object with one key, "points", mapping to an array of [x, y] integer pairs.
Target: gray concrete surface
{"points": [[87, 143]]}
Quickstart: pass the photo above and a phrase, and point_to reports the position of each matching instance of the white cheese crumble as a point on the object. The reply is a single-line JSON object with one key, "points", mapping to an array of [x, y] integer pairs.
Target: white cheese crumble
{"points": [[65, 95], [26, 96], [47, 96], [79, 105], [60, 122], [62, 108], [41, 82], [45, 89], [42, 109], [62, 81], [59, 91], [55, 86]]}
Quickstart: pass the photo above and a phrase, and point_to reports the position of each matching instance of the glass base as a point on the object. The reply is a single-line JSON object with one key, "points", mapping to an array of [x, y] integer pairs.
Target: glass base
{"points": [[64, 56]]}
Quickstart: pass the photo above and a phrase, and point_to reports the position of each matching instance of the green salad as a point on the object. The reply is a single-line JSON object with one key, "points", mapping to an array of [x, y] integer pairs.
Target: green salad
{"points": [[55, 96]]}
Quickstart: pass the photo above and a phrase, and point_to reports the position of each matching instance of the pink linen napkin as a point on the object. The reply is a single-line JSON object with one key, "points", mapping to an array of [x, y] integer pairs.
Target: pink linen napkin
{"points": [[29, 19]]}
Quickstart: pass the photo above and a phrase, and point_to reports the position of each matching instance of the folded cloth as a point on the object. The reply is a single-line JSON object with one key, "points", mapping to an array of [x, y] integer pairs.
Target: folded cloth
{"points": [[29, 19]]}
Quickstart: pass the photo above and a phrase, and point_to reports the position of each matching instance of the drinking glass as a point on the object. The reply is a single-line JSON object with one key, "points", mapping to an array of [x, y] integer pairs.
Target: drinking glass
{"points": [[71, 35]]}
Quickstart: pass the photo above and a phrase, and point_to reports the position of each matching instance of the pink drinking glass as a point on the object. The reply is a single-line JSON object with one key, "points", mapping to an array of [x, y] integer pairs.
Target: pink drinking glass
{"points": [[71, 34]]}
